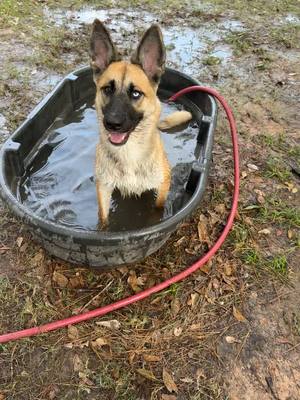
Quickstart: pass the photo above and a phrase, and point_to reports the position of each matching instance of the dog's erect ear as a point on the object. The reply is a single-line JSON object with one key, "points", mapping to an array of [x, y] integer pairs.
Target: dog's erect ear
{"points": [[102, 50], [150, 54]]}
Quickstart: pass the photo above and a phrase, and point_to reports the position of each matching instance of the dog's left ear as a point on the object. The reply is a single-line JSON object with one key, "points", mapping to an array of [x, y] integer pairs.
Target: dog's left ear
{"points": [[150, 54], [102, 50]]}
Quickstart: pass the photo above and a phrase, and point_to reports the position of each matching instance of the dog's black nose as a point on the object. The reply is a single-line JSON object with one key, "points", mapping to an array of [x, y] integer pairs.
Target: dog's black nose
{"points": [[111, 125]]}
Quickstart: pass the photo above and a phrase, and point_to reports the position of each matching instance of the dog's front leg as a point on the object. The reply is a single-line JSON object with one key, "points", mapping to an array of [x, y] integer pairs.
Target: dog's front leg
{"points": [[162, 191], [103, 195]]}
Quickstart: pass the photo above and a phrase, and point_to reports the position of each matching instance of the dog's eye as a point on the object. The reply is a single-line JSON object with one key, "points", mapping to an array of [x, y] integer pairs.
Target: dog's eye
{"points": [[108, 90], [136, 94]]}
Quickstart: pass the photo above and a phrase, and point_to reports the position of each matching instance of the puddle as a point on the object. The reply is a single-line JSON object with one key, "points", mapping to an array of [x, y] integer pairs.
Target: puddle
{"points": [[45, 80], [290, 19], [222, 51], [59, 186], [186, 46]]}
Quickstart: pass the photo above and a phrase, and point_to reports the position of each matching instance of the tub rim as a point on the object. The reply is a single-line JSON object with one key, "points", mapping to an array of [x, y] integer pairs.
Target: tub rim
{"points": [[80, 235]]}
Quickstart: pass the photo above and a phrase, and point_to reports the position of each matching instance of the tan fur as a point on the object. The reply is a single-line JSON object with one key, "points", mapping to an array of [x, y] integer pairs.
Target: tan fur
{"points": [[140, 164], [175, 119]]}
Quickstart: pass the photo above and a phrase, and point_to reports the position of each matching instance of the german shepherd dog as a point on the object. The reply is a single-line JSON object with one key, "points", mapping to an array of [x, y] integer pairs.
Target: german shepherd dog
{"points": [[130, 154]]}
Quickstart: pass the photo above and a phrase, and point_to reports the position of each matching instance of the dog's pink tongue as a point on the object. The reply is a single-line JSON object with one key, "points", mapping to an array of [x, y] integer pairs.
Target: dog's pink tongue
{"points": [[117, 137]]}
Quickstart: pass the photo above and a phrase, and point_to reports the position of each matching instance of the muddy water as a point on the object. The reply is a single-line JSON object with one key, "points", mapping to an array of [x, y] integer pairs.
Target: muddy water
{"points": [[59, 186]]}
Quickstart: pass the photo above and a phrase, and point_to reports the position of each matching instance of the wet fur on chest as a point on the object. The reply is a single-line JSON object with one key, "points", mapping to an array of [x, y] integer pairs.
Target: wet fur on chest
{"points": [[132, 172]]}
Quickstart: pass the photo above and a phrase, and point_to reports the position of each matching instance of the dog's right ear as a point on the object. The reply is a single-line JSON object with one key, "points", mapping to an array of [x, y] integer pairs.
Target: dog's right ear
{"points": [[102, 50]]}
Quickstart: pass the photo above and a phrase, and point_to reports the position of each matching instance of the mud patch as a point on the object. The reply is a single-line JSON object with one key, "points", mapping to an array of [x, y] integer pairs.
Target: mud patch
{"points": [[186, 46]]}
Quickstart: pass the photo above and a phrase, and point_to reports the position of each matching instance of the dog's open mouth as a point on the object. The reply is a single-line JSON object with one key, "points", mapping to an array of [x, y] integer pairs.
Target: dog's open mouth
{"points": [[118, 138]]}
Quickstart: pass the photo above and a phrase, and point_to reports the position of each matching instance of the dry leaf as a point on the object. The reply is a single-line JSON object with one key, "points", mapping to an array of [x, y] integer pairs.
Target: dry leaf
{"points": [[193, 300], [146, 374], [169, 381], [290, 234], [206, 268], [81, 345], [238, 315], [76, 282], [73, 332], [19, 241], [261, 199], [124, 270], [28, 307], [99, 342], [265, 231], [61, 280], [85, 379], [231, 339], [179, 241], [195, 327], [52, 393], [200, 374], [141, 280], [3, 249], [77, 363], [133, 282], [168, 397], [111, 324], [202, 230], [151, 358], [131, 357], [228, 269], [252, 167], [37, 258], [220, 208], [290, 186], [187, 380], [175, 306], [156, 300], [177, 331]]}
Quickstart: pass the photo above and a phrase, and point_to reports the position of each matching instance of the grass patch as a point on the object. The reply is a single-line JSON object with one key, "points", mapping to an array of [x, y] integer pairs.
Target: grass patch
{"points": [[241, 42], [159, 5], [278, 264], [273, 141], [276, 169], [12, 73], [277, 211], [251, 256], [211, 60], [287, 35], [264, 59], [256, 7], [295, 152], [239, 236], [13, 13], [280, 143]]}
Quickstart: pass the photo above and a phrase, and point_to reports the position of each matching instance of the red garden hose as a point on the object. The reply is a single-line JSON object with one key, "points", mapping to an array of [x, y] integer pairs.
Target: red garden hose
{"points": [[179, 277]]}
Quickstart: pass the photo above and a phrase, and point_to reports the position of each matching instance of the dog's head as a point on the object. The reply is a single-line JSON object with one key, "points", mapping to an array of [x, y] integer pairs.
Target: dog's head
{"points": [[126, 99]]}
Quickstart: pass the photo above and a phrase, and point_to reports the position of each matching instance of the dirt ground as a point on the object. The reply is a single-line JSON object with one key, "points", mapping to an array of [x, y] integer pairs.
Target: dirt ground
{"points": [[232, 330]]}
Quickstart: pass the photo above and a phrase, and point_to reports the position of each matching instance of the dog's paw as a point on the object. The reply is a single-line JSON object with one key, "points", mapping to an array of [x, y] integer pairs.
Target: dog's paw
{"points": [[174, 120]]}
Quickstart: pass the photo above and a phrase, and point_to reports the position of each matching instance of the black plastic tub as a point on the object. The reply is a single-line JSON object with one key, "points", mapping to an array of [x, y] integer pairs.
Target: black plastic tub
{"points": [[102, 248]]}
